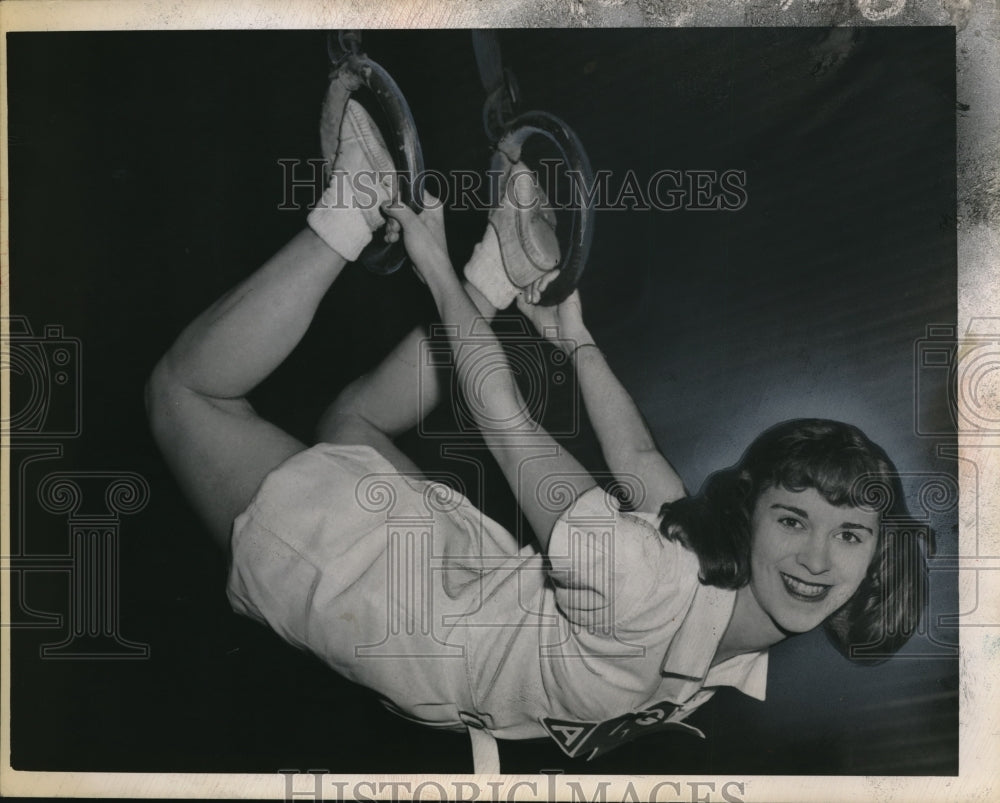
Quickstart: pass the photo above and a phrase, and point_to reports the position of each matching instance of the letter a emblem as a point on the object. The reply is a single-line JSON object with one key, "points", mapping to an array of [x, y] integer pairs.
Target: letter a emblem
{"points": [[569, 735]]}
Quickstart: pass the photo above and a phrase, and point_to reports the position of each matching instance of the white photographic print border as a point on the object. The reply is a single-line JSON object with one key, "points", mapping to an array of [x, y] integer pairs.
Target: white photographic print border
{"points": [[977, 27]]}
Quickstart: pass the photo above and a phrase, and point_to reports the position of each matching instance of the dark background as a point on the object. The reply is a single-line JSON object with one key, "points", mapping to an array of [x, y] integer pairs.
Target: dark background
{"points": [[145, 181]]}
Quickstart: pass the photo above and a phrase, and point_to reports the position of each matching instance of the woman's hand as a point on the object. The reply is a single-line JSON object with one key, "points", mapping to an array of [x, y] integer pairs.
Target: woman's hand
{"points": [[423, 235], [532, 294], [563, 322]]}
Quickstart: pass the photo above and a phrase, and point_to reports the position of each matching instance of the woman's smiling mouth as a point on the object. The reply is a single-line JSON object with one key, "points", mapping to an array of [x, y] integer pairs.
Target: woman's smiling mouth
{"points": [[800, 589]]}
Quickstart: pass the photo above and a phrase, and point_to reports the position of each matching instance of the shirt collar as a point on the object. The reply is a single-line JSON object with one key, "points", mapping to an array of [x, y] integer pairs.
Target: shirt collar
{"points": [[746, 672], [690, 653]]}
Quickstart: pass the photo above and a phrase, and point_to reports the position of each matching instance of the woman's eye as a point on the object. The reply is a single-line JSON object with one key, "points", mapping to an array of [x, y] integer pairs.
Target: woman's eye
{"points": [[850, 537], [789, 522]]}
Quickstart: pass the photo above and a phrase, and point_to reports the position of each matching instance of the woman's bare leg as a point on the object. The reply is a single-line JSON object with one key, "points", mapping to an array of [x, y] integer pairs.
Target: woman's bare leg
{"points": [[391, 399], [218, 447]]}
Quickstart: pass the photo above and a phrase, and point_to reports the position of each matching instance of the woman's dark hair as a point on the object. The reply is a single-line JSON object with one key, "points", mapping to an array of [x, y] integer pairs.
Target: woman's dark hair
{"points": [[846, 468]]}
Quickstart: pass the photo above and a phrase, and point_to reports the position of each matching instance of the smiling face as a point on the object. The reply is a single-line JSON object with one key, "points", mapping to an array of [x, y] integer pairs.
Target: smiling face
{"points": [[807, 557]]}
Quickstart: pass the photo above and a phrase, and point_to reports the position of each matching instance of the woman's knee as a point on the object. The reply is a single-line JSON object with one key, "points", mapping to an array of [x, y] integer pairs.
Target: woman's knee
{"points": [[345, 413], [161, 396], [219, 450]]}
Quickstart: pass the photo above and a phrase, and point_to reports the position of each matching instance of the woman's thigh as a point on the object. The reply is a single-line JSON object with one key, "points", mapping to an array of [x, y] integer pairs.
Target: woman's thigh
{"points": [[220, 450]]}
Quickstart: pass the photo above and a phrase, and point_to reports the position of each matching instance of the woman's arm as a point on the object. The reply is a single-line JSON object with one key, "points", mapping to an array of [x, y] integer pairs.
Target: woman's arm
{"points": [[545, 478], [626, 442]]}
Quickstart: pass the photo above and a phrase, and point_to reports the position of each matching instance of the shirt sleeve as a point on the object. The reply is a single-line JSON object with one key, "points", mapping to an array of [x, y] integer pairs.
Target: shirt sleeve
{"points": [[603, 563]]}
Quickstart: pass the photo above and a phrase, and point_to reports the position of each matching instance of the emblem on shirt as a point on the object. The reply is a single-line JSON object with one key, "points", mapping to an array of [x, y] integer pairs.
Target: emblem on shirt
{"points": [[590, 739]]}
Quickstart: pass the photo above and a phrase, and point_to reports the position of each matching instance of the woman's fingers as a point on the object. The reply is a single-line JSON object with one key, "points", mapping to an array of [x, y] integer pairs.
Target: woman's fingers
{"points": [[391, 230], [398, 213], [423, 235], [547, 279], [533, 292]]}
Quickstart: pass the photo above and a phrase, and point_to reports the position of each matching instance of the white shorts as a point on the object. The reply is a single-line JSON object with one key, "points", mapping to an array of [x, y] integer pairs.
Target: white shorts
{"points": [[336, 553]]}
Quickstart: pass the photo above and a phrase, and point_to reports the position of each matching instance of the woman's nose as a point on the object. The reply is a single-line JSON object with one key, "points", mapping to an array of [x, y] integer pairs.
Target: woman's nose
{"points": [[815, 554]]}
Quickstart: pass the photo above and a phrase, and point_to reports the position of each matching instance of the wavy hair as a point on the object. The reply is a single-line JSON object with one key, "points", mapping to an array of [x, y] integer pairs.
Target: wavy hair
{"points": [[847, 469]]}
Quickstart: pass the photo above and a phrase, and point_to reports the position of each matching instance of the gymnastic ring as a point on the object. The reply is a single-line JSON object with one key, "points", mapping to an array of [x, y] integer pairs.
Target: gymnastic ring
{"points": [[574, 157], [379, 256]]}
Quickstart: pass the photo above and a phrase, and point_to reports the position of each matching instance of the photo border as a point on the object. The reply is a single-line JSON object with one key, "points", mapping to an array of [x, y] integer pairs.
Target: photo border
{"points": [[977, 24]]}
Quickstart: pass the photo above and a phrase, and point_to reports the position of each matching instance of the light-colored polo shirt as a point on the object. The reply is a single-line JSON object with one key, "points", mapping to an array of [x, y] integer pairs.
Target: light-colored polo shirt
{"points": [[613, 639]]}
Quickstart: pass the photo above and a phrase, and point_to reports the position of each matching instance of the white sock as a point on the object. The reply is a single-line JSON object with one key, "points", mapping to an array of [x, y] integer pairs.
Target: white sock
{"points": [[485, 272], [338, 218]]}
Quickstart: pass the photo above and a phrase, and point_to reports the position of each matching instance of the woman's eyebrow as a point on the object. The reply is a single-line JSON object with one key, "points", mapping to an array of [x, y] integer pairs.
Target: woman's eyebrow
{"points": [[849, 525], [797, 510]]}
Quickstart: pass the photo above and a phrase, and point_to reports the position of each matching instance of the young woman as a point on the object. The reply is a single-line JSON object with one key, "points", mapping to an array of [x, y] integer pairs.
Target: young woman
{"points": [[614, 624]]}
